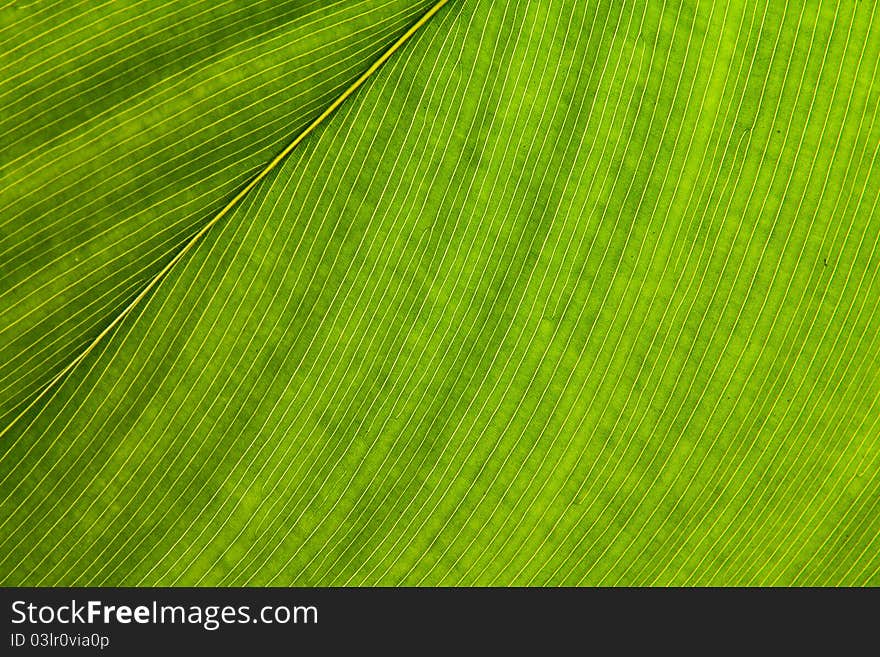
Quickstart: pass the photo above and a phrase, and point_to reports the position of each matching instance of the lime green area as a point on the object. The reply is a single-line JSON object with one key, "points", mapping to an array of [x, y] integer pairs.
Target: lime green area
{"points": [[568, 293]]}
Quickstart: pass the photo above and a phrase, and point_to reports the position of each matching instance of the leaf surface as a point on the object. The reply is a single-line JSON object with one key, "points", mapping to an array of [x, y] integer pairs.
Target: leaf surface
{"points": [[568, 293]]}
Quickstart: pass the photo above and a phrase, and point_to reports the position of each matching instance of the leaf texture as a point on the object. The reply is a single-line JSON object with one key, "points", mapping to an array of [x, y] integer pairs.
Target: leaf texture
{"points": [[569, 293]]}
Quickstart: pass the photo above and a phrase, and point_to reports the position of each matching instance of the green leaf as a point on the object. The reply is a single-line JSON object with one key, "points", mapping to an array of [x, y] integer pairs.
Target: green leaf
{"points": [[566, 293]]}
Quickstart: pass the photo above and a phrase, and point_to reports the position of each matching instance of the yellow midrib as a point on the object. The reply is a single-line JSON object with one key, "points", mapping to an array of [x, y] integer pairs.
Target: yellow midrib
{"points": [[190, 244]]}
